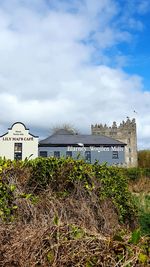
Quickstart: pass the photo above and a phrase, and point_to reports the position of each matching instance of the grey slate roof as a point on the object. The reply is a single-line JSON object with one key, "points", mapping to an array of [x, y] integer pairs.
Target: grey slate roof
{"points": [[64, 137]]}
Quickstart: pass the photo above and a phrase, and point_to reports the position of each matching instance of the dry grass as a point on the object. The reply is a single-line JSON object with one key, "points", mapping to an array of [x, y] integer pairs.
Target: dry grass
{"points": [[85, 210], [65, 232], [56, 246], [140, 185], [72, 231]]}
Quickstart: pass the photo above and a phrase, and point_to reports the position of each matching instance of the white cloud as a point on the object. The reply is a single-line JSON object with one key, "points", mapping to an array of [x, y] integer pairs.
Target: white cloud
{"points": [[47, 73]]}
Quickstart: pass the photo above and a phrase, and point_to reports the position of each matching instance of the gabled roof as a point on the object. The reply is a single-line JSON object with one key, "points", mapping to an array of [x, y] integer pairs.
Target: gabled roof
{"points": [[23, 125], [64, 137]]}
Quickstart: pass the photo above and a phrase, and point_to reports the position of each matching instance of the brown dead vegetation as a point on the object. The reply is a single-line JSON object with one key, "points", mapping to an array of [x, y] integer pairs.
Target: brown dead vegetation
{"points": [[139, 185], [75, 230], [64, 232]]}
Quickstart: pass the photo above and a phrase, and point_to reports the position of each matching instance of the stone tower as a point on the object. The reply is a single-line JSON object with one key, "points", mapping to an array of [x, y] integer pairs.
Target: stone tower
{"points": [[126, 133]]}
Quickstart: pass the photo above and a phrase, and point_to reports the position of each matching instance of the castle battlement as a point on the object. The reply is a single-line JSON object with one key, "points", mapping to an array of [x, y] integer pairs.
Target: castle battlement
{"points": [[126, 125]]}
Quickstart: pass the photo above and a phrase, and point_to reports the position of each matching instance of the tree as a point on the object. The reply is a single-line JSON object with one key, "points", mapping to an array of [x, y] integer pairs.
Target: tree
{"points": [[66, 126]]}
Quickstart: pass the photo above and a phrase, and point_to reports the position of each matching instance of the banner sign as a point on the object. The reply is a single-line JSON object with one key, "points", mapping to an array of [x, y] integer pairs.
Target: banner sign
{"points": [[93, 148]]}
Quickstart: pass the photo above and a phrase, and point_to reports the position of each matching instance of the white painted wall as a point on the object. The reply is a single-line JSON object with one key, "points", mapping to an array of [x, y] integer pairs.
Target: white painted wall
{"points": [[18, 134]]}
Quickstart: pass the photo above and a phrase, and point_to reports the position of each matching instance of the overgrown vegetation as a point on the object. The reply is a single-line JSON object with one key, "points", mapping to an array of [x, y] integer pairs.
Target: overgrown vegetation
{"points": [[65, 212], [143, 202], [144, 158]]}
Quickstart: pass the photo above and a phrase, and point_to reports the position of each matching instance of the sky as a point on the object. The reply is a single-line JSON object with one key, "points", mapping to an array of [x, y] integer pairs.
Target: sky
{"points": [[77, 62]]}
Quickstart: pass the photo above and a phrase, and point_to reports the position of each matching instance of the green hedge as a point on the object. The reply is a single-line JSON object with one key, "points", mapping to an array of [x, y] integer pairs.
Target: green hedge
{"points": [[63, 176], [135, 173]]}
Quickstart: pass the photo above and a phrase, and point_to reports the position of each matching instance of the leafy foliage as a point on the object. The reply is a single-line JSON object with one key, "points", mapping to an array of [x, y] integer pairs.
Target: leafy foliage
{"points": [[63, 175], [6, 201], [143, 203], [114, 186]]}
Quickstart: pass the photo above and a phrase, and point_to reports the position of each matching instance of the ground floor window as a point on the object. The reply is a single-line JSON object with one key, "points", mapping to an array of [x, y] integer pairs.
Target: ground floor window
{"points": [[115, 155], [18, 151], [43, 154], [57, 154], [68, 154], [88, 156]]}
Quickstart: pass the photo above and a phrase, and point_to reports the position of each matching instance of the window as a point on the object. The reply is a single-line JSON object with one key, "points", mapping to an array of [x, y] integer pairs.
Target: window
{"points": [[115, 155], [18, 151], [68, 154], [129, 150], [88, 156], [57, 154], [43, 154]]}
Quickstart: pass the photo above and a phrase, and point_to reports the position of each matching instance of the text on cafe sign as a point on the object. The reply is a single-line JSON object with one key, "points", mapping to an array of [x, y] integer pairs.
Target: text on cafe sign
{"points": [[17, 139]]}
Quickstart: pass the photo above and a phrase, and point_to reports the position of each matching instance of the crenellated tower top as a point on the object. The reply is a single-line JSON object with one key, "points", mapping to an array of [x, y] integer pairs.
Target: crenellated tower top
{"points": [[124, 125]]}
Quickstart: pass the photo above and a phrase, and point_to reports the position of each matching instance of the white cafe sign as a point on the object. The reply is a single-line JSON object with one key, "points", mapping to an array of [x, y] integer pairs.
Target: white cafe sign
{"points": [[17, 139]]}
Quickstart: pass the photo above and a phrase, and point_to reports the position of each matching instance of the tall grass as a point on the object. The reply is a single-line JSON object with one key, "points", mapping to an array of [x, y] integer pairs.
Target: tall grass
{"points": [[143, 202]]}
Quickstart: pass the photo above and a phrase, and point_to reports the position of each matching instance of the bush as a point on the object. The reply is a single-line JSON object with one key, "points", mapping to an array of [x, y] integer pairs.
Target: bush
{"points": [[115, 186], [63, 176], [65, 213], [144, 158]]}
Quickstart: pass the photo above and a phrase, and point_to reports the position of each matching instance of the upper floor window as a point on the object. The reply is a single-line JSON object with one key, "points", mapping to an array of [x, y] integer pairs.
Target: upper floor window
{"points": [[18, 151]]}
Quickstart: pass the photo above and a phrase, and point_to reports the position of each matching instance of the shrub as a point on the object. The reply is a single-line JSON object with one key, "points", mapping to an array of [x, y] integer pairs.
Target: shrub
{"points": [[115, 186], [62, 176], [144, 158]]}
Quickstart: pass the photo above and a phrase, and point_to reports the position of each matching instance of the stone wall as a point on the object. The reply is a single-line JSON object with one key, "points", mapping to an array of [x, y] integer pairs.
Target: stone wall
{"points": [[126, 133]]}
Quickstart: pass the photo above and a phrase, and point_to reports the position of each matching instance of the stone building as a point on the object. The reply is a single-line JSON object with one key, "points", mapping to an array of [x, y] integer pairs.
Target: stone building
{"points": [[126, 133]]}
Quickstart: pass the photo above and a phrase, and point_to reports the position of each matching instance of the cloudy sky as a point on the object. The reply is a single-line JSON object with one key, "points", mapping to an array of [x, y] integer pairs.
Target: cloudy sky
{"points": [[75, 61]]}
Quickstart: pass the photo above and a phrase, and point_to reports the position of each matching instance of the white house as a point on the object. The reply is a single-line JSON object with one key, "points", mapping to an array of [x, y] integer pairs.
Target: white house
{"points": [[18, 143]]}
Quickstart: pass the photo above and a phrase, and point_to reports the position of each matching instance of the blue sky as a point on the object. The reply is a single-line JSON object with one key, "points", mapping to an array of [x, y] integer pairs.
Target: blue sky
{"points": [[138, 52], [79, 62]]}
